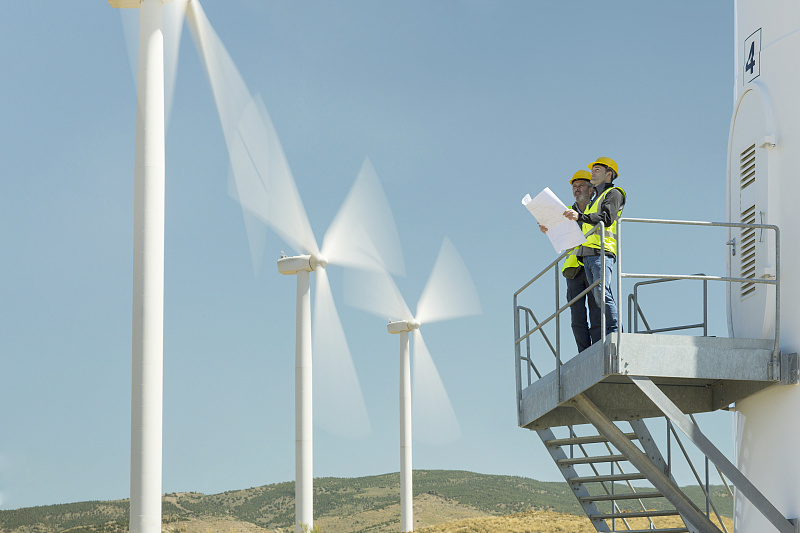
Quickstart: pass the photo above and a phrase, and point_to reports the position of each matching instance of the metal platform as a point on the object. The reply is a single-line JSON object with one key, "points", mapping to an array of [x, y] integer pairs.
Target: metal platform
{"points": [[698, 374]]}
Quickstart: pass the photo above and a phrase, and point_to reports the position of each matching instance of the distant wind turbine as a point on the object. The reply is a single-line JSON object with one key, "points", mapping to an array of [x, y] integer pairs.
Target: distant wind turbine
{"points": [[362, 236], [449, 293], [349, 242]]}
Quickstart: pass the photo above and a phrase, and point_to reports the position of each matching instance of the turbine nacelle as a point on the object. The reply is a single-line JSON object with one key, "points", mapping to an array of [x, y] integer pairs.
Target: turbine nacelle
{"points": [[402, 325], [292, 265]]}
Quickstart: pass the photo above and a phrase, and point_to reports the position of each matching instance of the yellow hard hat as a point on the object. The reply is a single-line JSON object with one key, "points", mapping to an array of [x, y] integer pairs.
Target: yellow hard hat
{"points": [[607, 161], [581, 175]]}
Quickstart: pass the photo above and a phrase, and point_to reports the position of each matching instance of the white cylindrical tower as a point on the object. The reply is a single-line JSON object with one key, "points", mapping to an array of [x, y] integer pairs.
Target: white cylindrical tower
{"points": [[406, 483], [763, 166], [148, 272], [304, 440], [302, 266]]}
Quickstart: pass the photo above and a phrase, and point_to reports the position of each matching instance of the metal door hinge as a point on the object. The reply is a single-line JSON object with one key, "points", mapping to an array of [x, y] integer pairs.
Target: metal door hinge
{"points": [[732, 244]]}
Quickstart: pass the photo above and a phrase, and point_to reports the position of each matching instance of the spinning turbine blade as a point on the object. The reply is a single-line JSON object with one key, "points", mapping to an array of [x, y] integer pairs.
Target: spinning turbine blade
{"points": [[287, 216], [363, 233], [130, 29], [449, 292], [375, 292], [264, 182], [230, 92], [246, 159], [256, 238], [172, 26], [174, 14], [435, 420], [339, 405]]}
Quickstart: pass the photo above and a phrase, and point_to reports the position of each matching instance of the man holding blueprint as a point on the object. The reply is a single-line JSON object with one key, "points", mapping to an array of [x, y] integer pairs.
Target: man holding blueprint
{"points": [[572, 268], [549, 211]]}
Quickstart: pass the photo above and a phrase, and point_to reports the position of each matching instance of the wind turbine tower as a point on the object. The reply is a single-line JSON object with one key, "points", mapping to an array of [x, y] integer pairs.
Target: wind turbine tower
{"points": [[403, 328], [449, 293], [763, 162], [302, 266], [148, 271]]}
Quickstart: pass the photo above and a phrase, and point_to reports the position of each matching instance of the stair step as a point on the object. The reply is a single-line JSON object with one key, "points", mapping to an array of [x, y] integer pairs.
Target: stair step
{"points": [[612, 477], [583, 440], [636, 514], [595, 459], [621, 496]]}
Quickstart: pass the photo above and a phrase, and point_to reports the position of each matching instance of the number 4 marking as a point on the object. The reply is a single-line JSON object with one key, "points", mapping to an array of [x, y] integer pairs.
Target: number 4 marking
{"points": [[751, 58], [752, 55]]}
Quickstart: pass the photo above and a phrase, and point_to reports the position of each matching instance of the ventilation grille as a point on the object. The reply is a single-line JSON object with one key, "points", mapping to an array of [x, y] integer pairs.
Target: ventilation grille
{"points": [[748, 166], [747, 171]]}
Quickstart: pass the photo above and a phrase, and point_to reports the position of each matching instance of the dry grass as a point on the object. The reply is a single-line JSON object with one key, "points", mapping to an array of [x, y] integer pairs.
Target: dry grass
{"points": [[433, 514], [545, 522], [530, 522], [213, 525]]}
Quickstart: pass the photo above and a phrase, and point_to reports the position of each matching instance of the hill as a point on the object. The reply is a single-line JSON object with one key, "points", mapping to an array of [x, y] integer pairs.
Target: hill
{"points": [[342, 505]]}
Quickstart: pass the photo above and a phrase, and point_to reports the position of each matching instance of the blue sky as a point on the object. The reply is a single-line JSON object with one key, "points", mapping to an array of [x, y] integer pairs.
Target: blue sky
{"points": [[462, 107]]}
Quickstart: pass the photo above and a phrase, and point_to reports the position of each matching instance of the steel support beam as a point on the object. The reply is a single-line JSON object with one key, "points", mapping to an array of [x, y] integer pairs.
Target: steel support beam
{"points": [[734, 475], [654, 474]]}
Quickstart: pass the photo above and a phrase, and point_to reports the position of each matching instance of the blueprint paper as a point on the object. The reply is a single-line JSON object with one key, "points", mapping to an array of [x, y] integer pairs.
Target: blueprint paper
{"points": [[548, 211]]}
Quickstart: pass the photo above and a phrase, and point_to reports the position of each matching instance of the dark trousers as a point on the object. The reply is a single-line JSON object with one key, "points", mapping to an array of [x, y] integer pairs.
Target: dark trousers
{"points": [[593, 269], [585, 336]]}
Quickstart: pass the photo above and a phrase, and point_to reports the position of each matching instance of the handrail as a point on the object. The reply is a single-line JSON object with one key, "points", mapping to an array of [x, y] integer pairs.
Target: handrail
{"points": [[721, 475], [556, 315], [703, 489], [776, 281], [633, 302], [543, 323]]}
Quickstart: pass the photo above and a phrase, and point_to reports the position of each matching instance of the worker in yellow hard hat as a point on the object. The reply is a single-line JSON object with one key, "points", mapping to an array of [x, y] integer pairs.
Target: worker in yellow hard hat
{"points": [[606, 207], [573, 271]]}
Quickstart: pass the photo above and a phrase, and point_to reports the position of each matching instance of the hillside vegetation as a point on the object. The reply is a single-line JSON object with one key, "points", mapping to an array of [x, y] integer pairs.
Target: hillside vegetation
{"points": [[466, 502]]}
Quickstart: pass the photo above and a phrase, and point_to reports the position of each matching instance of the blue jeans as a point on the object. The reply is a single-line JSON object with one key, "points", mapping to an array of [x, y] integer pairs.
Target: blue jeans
{"points": [[593, 266], [585, 336]]}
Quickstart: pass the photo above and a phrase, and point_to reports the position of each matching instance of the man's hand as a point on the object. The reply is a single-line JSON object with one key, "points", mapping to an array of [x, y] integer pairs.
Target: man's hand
{"points": [[571, 214], [543, 229]]}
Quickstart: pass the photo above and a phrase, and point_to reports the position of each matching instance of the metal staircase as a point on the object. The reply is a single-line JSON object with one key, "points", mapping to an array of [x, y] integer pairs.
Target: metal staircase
{"points": [[620, 478], [596, 489]]}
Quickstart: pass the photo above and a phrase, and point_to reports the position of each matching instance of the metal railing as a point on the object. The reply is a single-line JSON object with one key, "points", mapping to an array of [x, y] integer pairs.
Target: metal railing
{"points": [[635, 310], [555, 345], [669, 277], [705, 486], [556, 315]]}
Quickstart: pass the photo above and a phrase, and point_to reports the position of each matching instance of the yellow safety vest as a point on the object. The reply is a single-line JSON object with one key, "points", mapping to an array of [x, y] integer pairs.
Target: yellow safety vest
{"points": [[572, 265], [593, 241]]}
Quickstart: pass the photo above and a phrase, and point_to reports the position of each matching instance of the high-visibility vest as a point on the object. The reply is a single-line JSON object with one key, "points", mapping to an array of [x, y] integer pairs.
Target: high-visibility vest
{"points": [[572, 265], [593, 241]]}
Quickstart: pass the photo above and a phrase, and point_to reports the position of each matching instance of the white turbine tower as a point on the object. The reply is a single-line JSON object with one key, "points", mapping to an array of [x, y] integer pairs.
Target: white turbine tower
{"points": [[449, 293], [763, 157], [148, 270]]}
